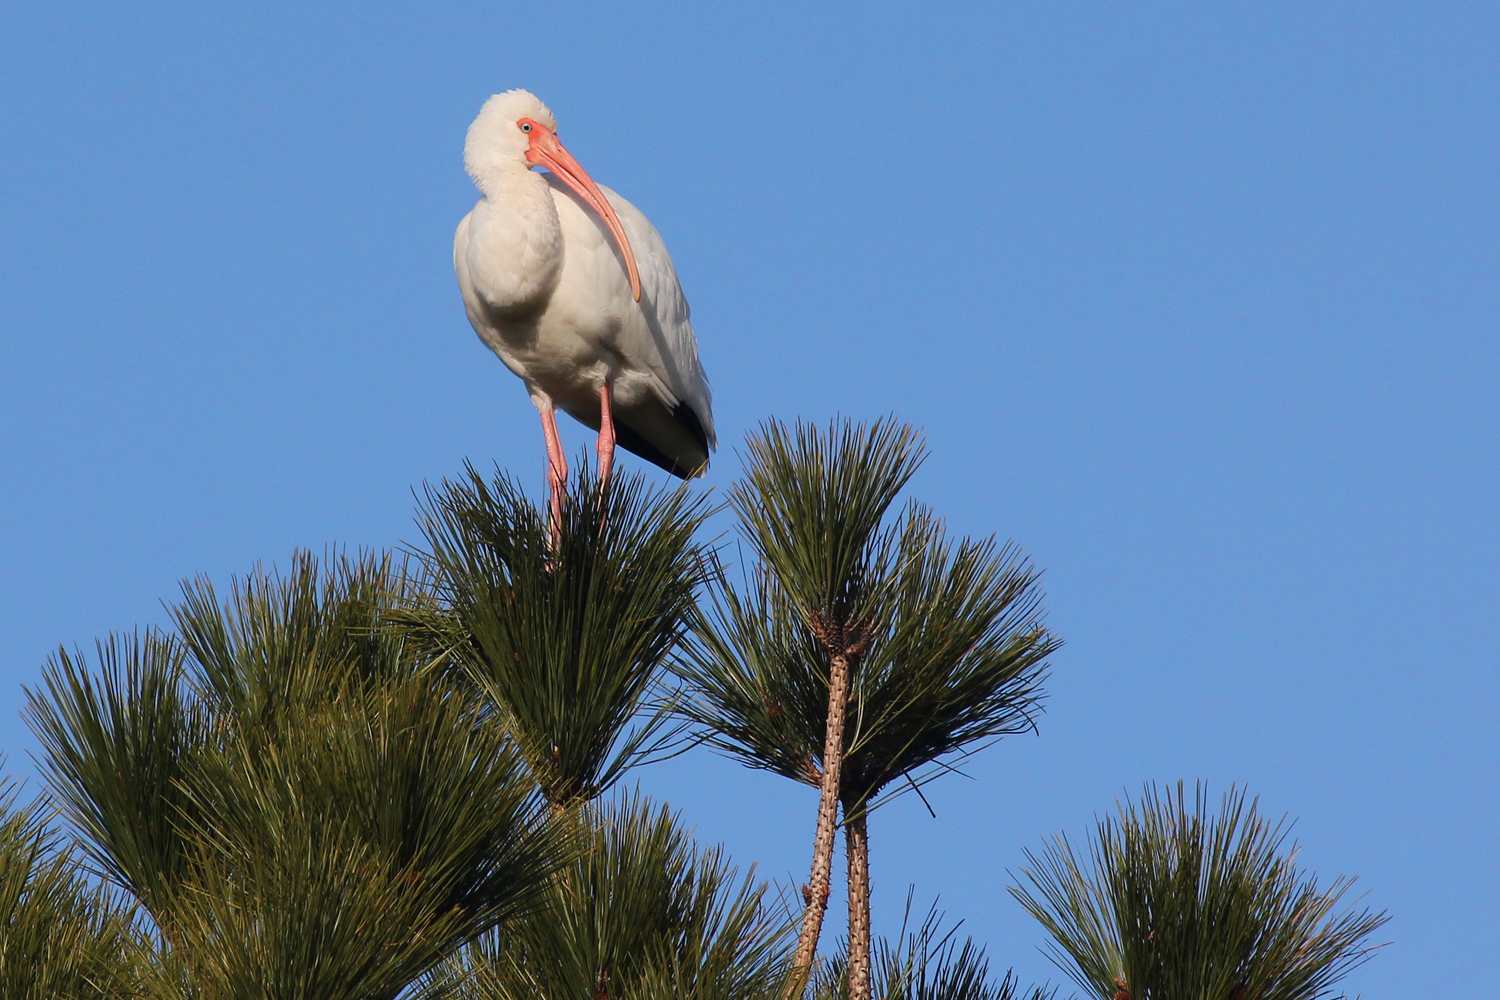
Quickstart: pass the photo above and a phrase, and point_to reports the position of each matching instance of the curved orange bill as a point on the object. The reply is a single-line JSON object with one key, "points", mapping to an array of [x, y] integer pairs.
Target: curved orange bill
{"points": [[546, 151]]}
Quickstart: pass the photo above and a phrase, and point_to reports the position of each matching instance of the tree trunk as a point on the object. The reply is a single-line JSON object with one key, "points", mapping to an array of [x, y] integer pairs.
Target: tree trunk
{"points": [[857, 844], [817, 889]]}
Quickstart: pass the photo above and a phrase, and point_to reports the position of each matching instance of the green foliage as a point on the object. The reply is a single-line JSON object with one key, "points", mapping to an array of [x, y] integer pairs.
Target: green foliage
{"points": [[307, 807], [642, 913], [811, 506], [297, 639], [860, 652], [1171, 902], [565, 637], [118, 745], [60, 938], [955, 657], [347, 854], [958, 659], [758, 680], [812, 509], [352, 784], [926, 963]]}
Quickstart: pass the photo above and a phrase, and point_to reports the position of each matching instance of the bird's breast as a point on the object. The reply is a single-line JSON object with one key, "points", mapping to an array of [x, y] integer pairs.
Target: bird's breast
{"points": [[513, 255]]}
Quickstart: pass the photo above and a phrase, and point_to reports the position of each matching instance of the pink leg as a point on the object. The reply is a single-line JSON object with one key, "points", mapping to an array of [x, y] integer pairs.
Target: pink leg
{"points": [[606, 436], [557, 469]]}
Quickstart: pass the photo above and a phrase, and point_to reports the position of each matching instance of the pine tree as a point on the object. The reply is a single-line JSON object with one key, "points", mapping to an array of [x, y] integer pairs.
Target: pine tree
{"points": [[1172, 901], [563, 629], [812, 507], [563, 635], [300, 801], [353, 782], [948, 653]]}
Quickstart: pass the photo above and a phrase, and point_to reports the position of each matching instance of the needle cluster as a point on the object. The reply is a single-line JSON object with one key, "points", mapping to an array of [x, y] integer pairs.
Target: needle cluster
{"points": [[640, 913], [1171, 900], [926, 962], [61, 938], [303, 806], [564, 635]]}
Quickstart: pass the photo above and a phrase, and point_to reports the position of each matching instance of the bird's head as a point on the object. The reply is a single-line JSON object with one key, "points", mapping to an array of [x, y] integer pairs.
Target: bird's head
{"points": [[514, 132], [497, 139]]}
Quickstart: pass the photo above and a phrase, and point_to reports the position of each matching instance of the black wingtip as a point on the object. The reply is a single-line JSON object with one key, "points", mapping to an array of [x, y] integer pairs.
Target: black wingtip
{"points": [[634, 443], [688, 418]]}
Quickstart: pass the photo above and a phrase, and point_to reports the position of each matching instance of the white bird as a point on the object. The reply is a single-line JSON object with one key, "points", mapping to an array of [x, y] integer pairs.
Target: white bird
{"points": [[573, 288]]}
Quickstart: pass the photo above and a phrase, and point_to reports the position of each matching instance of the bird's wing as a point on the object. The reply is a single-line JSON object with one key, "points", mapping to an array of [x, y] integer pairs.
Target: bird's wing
{"points": [[673, 352]]}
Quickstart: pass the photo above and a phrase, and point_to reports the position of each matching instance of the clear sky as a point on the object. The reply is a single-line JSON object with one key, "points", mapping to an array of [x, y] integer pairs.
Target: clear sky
{"points": [[1197, 302]]}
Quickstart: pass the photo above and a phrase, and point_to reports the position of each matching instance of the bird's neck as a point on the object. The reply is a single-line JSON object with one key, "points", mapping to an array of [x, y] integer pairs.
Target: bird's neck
{"points": [[519, 238]]}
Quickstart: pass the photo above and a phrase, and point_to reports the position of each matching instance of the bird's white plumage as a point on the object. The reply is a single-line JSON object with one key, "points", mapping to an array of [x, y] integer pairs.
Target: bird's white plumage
{"points": [[545, 287]]}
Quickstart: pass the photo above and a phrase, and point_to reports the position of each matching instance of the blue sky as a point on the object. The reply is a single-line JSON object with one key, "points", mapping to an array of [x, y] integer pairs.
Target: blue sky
{"points": [[1196, 302]]}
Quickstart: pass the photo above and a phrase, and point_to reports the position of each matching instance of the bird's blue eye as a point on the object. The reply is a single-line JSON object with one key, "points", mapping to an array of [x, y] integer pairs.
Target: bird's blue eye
{"points": [[526, 127]]}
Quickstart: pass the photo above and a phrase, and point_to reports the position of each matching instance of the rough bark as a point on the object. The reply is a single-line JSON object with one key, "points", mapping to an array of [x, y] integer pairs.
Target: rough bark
{"points": [[857, 845], [817, 888]]}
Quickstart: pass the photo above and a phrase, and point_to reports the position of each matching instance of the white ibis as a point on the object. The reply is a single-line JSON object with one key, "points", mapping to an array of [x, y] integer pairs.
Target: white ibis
{"points": [[573, 288]]}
